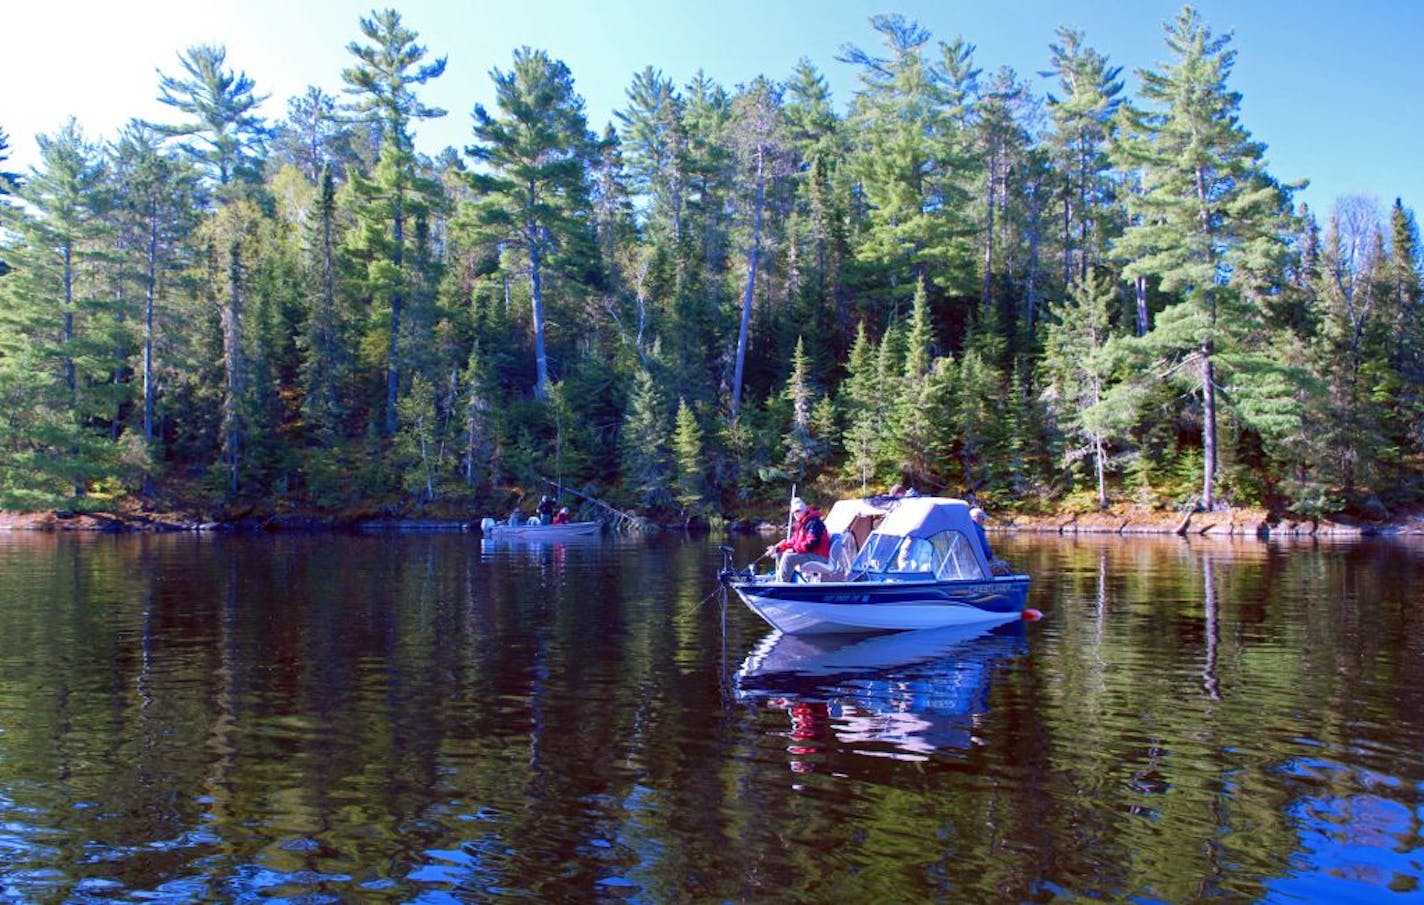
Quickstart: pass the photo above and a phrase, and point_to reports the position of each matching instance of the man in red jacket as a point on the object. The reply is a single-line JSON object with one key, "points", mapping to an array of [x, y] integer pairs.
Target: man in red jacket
{"points": [[808, 542]]}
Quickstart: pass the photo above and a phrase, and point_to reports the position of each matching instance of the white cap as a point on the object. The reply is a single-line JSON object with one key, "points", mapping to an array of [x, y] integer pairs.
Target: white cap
{"points": [[977, 514], [797, 504]]}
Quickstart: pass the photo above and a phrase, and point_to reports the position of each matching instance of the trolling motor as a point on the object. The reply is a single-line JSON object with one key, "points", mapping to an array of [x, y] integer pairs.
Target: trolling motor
{"points": [[728, 570]]}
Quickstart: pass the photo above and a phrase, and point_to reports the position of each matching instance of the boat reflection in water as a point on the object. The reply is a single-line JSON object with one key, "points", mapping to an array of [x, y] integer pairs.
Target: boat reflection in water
{"points": [[904, 695]]}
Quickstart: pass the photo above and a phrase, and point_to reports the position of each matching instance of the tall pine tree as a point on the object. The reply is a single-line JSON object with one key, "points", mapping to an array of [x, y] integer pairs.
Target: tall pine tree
{"points": [[1206, 204]]}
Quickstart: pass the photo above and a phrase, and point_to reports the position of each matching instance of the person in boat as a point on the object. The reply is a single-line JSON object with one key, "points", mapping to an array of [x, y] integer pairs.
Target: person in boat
{"points": [[545, 510], [562, 516], [516, 518], [809, 541], [915, 555], [976, 515], [996, 565]]}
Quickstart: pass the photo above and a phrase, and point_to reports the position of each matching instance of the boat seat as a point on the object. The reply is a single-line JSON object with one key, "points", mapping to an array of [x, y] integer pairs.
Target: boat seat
{"points": [[843, 550]]}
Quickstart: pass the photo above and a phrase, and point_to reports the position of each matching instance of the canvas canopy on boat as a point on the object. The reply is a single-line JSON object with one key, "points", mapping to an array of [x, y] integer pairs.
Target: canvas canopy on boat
{"points": [[857, 517], [929, 537]]}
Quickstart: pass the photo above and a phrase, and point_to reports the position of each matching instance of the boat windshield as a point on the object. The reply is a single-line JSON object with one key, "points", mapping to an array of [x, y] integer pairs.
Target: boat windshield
{"points": [[947, 556]]}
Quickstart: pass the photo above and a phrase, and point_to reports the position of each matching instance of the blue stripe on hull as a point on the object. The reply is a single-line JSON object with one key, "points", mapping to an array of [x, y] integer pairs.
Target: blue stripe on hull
{"points": [[859, 606]]}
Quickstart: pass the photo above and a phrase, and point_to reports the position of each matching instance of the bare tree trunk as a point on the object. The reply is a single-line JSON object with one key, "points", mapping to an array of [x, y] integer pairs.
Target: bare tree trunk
{"points": [[1067, 239], [397, 309], [753, 255], [70, 382], [1208, 350], [1100, 451], [989, 236], [541, 361], [150, 295], [1208, 424], [1141, 288], [1082, 218], [232, 341]]}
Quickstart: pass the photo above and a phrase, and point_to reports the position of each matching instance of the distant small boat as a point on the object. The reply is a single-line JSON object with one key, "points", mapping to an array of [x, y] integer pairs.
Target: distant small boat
{"points": [[922, 567], [534, 530]]}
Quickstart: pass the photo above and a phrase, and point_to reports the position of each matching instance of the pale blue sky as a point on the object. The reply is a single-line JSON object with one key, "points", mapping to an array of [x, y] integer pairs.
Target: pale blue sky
{"points": [[1330, 87]]}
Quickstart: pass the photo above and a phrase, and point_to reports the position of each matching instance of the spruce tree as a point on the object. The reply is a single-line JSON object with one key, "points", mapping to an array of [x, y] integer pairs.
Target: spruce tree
{"points": [[799, 444], [1407, 287], [1078, 365], [912, 412], [647, 463], [690, 487]]}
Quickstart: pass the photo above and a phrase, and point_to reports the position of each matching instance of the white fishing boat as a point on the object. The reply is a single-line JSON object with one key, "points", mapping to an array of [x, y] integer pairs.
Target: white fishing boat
{"points": [[923, 566], [533, 529]]}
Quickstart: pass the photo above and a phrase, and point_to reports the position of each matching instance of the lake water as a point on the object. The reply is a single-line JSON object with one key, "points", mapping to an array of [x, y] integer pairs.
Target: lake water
{"points": [[423, 718]]}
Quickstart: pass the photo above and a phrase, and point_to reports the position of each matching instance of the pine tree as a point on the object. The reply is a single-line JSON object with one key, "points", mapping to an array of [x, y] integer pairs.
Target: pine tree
{"points": [[533, 192], [59, 316], [911, 155], [706, 254], [1404, 386], [223, 133], [758, 141], [1206, 203], [655, 146], [1084, 117], [388, 71], [158, 205], [817, 233]]}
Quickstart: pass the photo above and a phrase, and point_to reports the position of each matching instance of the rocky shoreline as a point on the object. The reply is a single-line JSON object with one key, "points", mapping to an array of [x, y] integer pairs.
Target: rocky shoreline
{"points": [[1243, 523], [1219, 523], [172, 523]]}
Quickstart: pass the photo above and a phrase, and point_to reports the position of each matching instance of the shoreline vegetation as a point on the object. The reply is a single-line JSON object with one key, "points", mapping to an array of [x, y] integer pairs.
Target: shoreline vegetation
{"points": [[1126, 520], [1051, 299]]}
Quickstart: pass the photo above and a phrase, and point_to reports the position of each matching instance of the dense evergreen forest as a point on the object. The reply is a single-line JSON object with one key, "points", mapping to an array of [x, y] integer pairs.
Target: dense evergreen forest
{"points": [[1054, 300]]}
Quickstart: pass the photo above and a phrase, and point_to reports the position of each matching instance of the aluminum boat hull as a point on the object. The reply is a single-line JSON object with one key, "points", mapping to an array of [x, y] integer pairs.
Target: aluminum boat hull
{"points": [[544, 532], [798, 608]]}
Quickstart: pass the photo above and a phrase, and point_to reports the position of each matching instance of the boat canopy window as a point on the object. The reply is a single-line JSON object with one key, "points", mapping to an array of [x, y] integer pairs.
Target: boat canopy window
{"points": [[878, 554], [956, 557], [946, 555]]}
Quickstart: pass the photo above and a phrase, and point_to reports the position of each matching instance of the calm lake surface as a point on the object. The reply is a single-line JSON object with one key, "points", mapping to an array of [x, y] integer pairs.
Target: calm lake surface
{"points": [[426, 718]]}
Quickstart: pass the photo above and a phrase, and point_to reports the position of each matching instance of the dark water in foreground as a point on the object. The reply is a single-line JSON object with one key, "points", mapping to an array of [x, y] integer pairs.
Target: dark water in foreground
{"points": [[419, 719]]}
